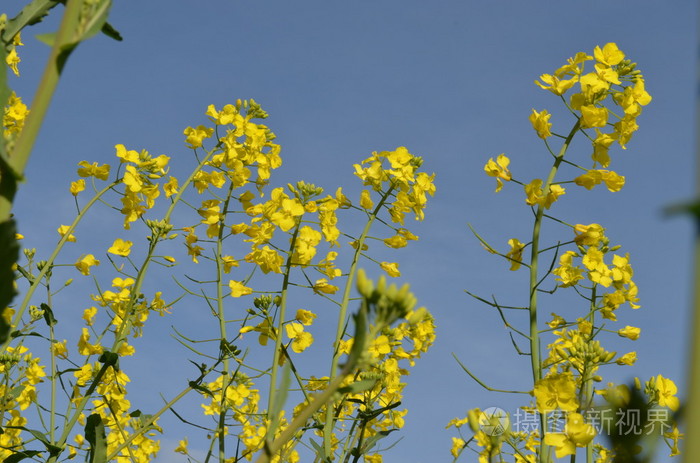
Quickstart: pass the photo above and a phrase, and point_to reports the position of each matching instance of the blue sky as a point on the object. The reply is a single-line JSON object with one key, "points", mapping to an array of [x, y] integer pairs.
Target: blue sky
{"points": [[450, 80]]}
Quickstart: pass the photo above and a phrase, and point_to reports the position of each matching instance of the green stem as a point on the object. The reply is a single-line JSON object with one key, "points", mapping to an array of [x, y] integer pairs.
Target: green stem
{"points": [[222, 322], [52, 338], [328, 427], [277, 354], [40, 104], [534, 278]]}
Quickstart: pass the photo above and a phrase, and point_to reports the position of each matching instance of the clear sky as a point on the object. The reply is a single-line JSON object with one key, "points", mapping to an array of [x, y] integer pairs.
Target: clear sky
{"points": [[451, 80]]}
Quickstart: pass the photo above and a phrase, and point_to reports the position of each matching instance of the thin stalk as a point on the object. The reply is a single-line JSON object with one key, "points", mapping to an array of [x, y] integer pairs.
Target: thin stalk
{"points": [[328, 427], [222, 320], [534, 259], [52, 338], [587, 386], [277, 354]]}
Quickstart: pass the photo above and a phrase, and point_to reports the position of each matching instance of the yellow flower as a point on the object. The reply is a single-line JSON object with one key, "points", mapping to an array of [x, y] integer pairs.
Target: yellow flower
{"points": [[366, 200], [126, 156], [182, 447], [613, 181], [589, 235], [396, 242], [77, 186], [300, 339], [380, 346], [628, 359], [228, 262], [556, 391], [196, 136], [577, 433], [59, 349], [120, 247], [63, 229], [322, 286], [93, 170], [666, 393], [306, 317], [266, 258], [85, 262], [557, 321], [609, 55], [14, 115], [170, 188], [84, 347], [535, 195], [556, 85], [457, 446], [12, 60], [675, 436], [89, 315], [391, 268], [629, 332], [592, 116], [498, 169], [238, 289], [599, 272], [516, 253], [540, 122]]}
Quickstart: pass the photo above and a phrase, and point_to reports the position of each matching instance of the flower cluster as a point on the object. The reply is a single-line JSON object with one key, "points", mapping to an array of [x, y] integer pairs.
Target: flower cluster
{"points": [[606, 102]]}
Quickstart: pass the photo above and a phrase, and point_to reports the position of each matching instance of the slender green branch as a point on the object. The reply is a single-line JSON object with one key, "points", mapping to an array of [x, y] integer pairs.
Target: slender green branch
{"points": [[482, 384], [534, 259], [277, 354], [342, 322]]}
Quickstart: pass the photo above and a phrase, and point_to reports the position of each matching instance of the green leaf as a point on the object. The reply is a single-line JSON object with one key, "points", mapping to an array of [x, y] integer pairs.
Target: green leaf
{"points": [[279, 398], [109, 359], [9, 253], [47, 39], [111, 32], [31, 14], [19, 456], [95, 435], [41, 437], [691, 208], [358, 386], [372, 441], [320, 453], [97, 20], [48, 314]]}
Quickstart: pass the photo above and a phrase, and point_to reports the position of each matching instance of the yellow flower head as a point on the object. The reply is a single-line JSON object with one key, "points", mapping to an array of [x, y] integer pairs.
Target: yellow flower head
{"points": [[556, 392], [120, 247], [609, 55], [498, 169], [540, 122], [85, 262]]}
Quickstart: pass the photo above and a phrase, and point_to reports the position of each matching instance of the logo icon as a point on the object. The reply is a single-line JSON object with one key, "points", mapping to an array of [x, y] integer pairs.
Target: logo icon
{"points": [[494, 421]]}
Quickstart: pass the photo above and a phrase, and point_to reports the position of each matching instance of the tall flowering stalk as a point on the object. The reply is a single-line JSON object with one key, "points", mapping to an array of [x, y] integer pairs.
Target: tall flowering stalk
{"points": [[567, 372]]}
